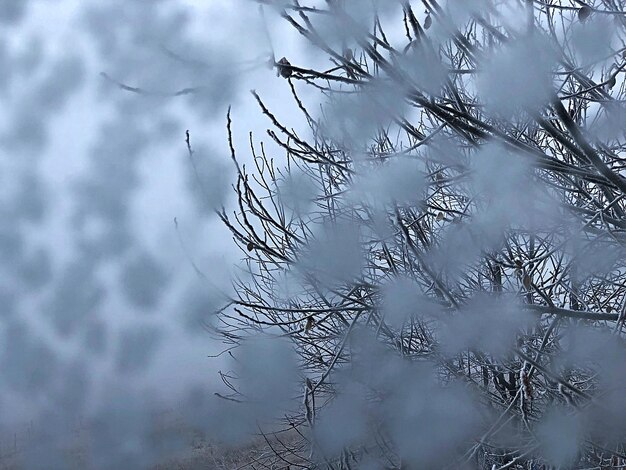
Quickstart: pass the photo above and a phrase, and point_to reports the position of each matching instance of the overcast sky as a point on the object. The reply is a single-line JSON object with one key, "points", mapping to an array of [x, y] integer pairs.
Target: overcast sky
{"points": [[111, 256], [98, 294]]}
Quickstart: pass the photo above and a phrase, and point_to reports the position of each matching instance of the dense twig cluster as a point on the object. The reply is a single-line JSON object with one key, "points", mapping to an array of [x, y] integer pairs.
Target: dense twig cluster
{"points": [[516, 202]]}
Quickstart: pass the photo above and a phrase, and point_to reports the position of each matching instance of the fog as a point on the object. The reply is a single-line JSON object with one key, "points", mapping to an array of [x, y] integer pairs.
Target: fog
{"points": [[112, 256], [341, 234]]}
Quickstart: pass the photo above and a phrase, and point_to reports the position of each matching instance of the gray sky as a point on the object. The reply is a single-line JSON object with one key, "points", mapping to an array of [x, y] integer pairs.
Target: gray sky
{"points": [[101, 307], [96, 282]]}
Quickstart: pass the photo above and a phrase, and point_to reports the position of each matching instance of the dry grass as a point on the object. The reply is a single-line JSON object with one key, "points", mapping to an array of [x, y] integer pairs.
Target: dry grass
{"points": [[196, 452]]}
